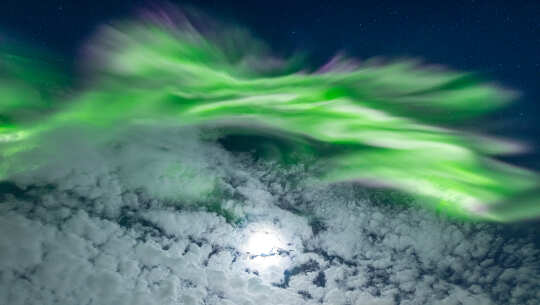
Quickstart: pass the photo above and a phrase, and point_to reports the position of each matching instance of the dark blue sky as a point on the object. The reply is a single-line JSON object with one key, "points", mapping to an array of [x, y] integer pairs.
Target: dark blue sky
{"points": [[498, 38]]}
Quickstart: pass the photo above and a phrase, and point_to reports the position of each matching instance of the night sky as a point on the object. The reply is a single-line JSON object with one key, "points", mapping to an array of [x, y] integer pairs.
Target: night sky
{"points": [[133, 195], [500, 39]]}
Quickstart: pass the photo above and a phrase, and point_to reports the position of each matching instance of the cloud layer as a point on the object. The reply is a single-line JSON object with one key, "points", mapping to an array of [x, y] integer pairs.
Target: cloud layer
{"points": [[104, 225]]}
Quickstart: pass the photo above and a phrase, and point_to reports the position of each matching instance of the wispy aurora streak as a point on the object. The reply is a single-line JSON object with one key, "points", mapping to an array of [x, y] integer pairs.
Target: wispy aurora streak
{"points": [[391, 124]]}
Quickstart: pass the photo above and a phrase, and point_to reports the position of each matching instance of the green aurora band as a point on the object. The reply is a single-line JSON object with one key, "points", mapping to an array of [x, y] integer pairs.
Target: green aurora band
{"points": [[393, 124]]}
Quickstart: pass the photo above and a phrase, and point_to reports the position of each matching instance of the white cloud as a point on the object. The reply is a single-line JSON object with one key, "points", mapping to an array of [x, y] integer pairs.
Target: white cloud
{"points": [[123, 227]]}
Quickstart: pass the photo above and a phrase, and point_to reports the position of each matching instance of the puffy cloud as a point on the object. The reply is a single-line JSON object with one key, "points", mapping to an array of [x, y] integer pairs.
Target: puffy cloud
{"points": [[105, 225]]}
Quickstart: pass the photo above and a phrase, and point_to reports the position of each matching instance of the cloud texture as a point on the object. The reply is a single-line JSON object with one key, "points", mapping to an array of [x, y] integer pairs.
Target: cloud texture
{"points": [[95, 232]]}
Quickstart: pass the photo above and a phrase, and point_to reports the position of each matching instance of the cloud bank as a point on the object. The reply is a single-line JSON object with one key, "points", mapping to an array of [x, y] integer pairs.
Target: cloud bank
{"points": [[91, 229]]}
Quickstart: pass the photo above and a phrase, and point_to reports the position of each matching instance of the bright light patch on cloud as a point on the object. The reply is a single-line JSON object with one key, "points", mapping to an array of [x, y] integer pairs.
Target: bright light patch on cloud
{"points": [[265, 241], [267, 251]]}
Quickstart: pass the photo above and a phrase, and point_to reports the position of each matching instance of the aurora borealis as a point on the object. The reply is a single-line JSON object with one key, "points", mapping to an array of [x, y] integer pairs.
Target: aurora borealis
{"points": [[188, 164], [371, 122]]}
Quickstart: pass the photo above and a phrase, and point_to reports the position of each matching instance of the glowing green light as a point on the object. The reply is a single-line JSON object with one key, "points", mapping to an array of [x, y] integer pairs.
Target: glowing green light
{"points": [[392, 124]]}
